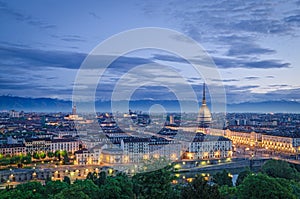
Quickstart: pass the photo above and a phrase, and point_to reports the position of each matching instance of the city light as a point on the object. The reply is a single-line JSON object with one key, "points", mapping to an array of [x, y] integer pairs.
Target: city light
{"points": [[177, 166]]}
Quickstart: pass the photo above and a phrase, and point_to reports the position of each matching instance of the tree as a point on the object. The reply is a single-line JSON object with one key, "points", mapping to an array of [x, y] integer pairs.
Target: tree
{"points": [[26, 159], [57, 154], [199, 188], [4, 161], [280, 169], [102, 178], [32, 189], [222, 178], [17, 194], [15, 159], [87, 187], [31, 186], [227, 192], [50, 154], [119, 186], [53, 187], [42, 155], [242, 175], [71, 193], [111, 189], [92, 176], [67, 180], [36, 155], [66, 157], [261, 186], [154, 184]]}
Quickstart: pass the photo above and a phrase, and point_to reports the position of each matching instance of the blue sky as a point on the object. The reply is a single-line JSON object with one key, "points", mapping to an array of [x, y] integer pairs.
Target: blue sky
{"points": [[254, 44]]}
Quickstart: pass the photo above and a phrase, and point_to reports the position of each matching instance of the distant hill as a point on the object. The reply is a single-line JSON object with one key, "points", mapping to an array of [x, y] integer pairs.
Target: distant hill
{"points": [[266, 107], [34, 104], [56, 105]]}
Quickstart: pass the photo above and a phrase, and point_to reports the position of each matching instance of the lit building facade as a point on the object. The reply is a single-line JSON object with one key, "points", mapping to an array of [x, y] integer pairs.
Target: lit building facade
{"points": [[12, 149], [209, 147], [69, 145], [47, 144], [139, 149], [279, 143], [161, 147], [135, 149], [250, 138], [37, 144], [85, 157], [267, 141], [113, 156]]}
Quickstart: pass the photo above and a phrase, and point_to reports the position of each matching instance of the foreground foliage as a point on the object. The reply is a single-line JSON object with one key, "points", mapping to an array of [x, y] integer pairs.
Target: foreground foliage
{"points": [[270, 183]]}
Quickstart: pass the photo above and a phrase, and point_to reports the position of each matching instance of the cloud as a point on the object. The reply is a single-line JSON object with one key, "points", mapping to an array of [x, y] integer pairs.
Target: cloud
{"points": [[225, 80], [224, 63], [232, 30], [251, 78], [37, 58], [5, 9], [170, 58], [52, 73], [270, 76], [240, 88], [262, 26], [293, 19], [229, 62], [93, 14], [69, 38], [18, 57], [283, 94], [248, 49], [279, 85]]}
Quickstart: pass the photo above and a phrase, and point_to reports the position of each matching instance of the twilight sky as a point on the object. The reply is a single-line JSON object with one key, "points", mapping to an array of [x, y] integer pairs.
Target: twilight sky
{"points": [[254, 44]]}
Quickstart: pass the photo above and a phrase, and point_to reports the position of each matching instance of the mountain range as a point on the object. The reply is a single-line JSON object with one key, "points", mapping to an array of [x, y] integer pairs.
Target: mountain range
{"points": [[55, 105]]}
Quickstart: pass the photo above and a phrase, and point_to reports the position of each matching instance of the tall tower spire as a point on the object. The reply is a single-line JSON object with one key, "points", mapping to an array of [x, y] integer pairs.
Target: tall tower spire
{"points": [[204, 116], [74, 112], [203, 96]]}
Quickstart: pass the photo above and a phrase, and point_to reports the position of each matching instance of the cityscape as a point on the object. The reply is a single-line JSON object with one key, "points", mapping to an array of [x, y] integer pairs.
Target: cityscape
{"points": [[43, 146], [149, 100]]}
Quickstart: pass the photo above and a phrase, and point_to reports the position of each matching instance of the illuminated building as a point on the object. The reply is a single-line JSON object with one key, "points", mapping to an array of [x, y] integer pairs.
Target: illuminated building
{"points": [[74, 110], [37, 144], [74, 115], [82, 157], [280, 143], [135, 148], [112, 156], [12, 149], [250, 138], [161, 147], [171, 119], [204, 116], [139, 149], [263, 140], [206, 146], [69, 145]]}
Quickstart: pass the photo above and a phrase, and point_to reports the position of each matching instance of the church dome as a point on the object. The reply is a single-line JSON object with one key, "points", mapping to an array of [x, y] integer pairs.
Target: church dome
{"points": [[204, 116]]}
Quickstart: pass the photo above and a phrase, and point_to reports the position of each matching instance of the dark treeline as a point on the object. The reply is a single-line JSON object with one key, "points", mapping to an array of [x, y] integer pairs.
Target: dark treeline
{"points": [[276, 179]]}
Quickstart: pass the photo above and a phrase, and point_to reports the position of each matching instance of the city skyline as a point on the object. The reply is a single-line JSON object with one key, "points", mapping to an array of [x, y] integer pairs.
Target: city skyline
{"points": [[253, 45], [149, 99]]}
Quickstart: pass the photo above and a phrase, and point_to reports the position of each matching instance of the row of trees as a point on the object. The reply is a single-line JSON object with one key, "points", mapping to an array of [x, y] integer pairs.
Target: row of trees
{"points": [[277, 179], [18, 159], [27, 159]]}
